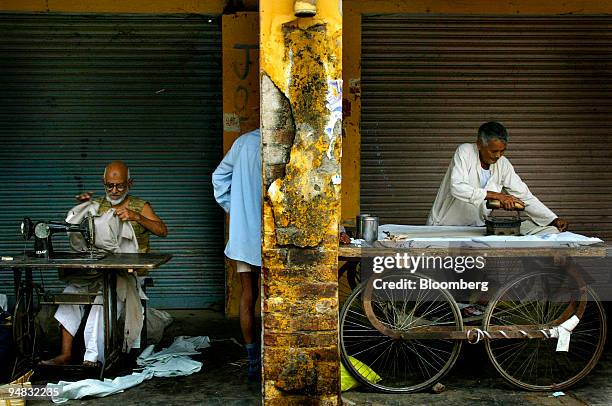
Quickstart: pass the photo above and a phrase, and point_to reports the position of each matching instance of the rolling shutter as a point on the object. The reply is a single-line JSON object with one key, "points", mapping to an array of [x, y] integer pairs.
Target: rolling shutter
{"points": [[429, 82], [79, 91]]}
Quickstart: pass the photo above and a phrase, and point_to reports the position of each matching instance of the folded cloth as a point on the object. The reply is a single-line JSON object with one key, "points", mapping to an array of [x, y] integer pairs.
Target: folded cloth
{"points": [[170, 362]]}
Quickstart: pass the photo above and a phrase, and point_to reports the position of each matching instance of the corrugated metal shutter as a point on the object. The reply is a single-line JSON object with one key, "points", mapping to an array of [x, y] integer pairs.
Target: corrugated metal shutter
{"points": [[428, 82], [81, 90]]}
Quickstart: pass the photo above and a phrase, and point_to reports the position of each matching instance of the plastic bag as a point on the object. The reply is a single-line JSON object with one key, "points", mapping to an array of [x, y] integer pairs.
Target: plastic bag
{"points": [[347, 381]]}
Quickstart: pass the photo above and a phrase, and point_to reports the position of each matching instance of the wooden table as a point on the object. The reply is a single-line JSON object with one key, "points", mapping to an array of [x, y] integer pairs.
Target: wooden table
{"points": [[108, 267]]}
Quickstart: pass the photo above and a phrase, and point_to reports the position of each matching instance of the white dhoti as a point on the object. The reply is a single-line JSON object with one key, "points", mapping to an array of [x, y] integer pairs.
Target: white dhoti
{"points": [[70, 317]]}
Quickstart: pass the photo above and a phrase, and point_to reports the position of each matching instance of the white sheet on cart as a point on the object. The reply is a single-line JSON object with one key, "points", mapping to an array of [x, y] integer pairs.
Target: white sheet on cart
{"points": [[408, 236]]}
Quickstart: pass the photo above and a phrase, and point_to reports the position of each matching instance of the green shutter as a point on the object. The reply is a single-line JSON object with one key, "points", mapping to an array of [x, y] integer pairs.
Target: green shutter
{"points": [[81, 90]]}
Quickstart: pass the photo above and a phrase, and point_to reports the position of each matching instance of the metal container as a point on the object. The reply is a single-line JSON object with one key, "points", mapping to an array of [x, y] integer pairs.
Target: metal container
{"points": [[370, 228], [359, 225]]}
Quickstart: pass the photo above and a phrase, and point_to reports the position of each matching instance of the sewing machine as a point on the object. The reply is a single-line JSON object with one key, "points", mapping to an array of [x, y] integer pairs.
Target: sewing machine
{"points": [[43, 231]]}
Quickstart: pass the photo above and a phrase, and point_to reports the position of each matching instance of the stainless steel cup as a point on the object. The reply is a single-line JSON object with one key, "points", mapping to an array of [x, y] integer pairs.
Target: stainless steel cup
{"points": [[359, 225], [370, 228]]}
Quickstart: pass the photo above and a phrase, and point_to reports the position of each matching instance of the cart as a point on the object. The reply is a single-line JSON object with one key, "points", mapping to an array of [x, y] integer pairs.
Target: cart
{"points": [[406, 340]]}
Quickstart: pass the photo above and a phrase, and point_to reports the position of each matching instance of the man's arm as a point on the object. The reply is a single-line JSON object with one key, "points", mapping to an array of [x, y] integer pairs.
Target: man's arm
{"points": [[222, 176], [534, 208], [148, 219]]}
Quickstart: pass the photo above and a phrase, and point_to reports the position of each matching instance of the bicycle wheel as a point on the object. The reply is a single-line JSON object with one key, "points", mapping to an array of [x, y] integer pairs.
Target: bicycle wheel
{"points": [[543, 300], [376, 353]]}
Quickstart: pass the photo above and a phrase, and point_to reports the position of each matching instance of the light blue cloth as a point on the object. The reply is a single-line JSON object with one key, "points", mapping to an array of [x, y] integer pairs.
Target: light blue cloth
{"points": [[237, 188], [169, 362]]}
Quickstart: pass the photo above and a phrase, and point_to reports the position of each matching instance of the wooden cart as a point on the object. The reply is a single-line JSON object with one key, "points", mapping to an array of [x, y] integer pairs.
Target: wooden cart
{"points": [[406, 340]]}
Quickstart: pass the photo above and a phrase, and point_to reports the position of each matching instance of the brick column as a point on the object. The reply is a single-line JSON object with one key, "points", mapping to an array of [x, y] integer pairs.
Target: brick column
{"points": [[301, 142]]}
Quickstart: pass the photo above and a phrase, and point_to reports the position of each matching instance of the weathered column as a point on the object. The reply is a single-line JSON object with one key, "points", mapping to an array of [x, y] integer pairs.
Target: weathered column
{"points": [[301, 113]]}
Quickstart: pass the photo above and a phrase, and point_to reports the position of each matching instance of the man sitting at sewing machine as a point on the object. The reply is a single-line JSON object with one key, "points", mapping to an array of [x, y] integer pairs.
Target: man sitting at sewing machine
{"points": [[132, 220], [479, 173]]}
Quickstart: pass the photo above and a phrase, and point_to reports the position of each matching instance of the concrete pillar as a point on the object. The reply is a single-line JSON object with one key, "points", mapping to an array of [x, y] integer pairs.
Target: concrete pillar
{"points": [[301, 113]]}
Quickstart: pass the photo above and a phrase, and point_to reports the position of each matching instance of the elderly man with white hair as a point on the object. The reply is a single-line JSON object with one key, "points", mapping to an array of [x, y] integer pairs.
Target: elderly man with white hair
{"points": [[480, 172], [122, 212]]}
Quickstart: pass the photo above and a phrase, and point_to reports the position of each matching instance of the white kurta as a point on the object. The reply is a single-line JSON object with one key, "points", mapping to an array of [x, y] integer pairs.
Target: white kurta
{"points": [[237, 188], [461, 200]]}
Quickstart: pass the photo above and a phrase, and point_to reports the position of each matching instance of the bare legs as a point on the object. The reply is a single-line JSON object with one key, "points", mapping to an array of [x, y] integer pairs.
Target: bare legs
{"points": [[66, 355]]}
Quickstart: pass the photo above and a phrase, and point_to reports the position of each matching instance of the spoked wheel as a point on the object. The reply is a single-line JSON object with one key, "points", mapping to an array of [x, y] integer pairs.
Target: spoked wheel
{"points": [[349, 277], [543, 300], [373, 322]]}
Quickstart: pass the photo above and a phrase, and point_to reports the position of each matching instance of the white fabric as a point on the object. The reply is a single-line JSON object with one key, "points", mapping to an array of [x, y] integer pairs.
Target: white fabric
{"points": [[461, 201], [237, 188], [563, 333], [485, 175], [3, 302], [408, 236], [115, 236], [112, 234], [170, 362]]}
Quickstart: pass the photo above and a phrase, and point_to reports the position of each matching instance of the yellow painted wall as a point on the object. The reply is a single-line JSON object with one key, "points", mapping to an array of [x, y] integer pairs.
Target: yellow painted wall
{"points": [[240, 105], [351, 62]]}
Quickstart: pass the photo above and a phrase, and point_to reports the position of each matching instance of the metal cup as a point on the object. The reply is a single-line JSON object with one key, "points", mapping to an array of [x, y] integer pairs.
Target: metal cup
{"points": [[359, 225], [370, 228]]}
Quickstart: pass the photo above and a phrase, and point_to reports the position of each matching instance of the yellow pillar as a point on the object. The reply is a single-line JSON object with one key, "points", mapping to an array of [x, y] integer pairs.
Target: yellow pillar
{"points": [[301, 121]]}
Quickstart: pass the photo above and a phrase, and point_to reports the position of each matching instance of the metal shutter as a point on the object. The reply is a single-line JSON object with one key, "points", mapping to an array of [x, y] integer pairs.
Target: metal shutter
{"points": [[428, 82], [81, 90]]}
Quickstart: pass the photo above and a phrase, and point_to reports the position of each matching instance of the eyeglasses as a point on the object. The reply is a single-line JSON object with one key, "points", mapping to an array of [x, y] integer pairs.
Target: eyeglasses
{"points": [[121, 187]]}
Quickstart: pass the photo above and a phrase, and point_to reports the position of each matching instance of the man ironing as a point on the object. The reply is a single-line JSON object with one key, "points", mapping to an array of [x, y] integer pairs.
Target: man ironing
{"points": [[479, 173]]}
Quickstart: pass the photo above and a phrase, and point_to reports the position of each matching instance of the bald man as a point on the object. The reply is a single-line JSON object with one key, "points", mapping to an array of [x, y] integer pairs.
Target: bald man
{"points": [[117, 183]]}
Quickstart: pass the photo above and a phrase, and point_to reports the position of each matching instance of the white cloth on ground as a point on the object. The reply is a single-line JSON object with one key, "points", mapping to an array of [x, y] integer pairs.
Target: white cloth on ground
{"points": [[170, 362], [3, 302], [461, 201], [115, 236]]}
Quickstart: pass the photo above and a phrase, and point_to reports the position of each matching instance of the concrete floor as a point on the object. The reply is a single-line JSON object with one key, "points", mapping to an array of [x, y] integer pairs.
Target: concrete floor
{"points": [[222, 381]]}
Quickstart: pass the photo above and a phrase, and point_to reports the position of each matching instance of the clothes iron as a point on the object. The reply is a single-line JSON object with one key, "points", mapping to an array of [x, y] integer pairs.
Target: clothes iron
{"points": [[503, 225], [42, 231]]}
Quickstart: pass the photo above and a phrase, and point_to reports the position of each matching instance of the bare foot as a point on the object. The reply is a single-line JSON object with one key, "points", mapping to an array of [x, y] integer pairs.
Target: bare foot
{"points": [[59, 360]]}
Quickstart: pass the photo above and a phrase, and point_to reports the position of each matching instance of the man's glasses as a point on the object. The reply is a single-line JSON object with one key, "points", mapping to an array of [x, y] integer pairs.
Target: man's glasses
{"points": [[121, 187]]}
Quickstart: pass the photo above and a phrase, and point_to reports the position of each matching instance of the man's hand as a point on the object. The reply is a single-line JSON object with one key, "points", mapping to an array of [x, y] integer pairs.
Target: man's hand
{"points": [[508, 202], [84, 197], [126, 214], [560, 224]]}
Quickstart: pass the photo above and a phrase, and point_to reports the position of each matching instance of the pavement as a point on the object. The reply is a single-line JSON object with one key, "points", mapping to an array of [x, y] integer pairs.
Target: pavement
{"points": [[223, 381]]}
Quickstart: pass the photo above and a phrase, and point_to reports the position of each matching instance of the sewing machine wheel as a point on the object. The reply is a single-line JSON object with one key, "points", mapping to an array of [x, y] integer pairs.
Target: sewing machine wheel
{"points": [[542, 300], [24, 330]]}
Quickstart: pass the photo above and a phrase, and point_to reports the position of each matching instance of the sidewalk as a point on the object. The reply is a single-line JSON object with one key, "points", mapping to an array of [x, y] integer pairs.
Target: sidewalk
{"points": [[223, 381]]}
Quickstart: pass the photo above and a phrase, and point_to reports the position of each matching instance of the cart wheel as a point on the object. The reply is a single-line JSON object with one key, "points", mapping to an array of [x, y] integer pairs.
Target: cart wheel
{"points": [[545, 300], [380, 359]]}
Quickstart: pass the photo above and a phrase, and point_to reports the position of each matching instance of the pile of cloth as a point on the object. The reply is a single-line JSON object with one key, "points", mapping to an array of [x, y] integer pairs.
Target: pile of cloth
{"points": [[169, 362]]}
